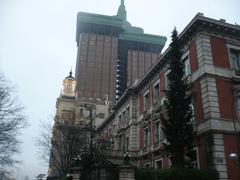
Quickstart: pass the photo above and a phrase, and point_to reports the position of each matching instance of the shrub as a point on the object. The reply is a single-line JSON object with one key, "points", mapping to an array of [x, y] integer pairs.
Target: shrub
{"points": [[176, 174]]}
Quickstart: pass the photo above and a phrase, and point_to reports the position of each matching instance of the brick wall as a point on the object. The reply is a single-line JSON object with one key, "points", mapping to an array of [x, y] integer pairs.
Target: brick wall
{"points": [[219, 52]]}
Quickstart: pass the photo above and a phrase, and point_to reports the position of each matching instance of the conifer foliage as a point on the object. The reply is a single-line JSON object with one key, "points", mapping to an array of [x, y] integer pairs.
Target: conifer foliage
{"points": [[178, 127]]}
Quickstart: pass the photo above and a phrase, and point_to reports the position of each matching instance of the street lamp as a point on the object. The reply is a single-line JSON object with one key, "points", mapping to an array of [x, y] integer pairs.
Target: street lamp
{"points": [[90, 108], [69, 176], [126, 158], [233, 156]]}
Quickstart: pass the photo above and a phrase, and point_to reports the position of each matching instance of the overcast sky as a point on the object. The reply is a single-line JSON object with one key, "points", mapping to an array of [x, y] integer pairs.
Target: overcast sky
{"points": [[38, 48]]}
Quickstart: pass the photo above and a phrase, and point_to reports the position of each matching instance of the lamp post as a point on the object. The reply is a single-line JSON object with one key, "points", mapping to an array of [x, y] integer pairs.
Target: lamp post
{"points": [[90, 108]]}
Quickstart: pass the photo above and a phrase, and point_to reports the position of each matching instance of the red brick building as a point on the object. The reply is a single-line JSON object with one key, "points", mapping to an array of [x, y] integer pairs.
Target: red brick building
{"points": [[212, 68]]}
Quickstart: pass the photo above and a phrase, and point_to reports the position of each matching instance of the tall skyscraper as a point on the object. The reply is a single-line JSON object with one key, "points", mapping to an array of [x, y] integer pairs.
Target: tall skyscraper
{"points": [[112, 54]]}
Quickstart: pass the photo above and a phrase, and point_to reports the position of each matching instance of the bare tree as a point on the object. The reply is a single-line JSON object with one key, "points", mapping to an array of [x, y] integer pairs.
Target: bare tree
{"points": [[60, 145], [43, 142], [11, 121], [66, 142]]}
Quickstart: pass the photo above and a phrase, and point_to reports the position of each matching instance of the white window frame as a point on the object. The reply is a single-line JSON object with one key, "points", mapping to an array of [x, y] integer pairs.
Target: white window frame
{"points": [[156, 98], [147, 164], [159, 132], [166, 79], [155, 164], [144, 100], [197, 160], [229, 46], [187, 66], [146, 139], [193, 120]]}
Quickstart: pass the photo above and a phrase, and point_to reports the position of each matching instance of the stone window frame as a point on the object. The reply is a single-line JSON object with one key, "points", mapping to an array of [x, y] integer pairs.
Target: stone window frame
{"points": [[146, 140], [237, 101], [155, 100], [147, 164], [166, 79], [186, 59], [159, 131], [237, 48], [67, 114], [146, 107], [155, 163], [197, 160]]}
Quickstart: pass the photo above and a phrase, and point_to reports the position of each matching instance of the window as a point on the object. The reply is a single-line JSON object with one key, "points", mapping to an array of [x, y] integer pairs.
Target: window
{"points": [[147, 165], [119, 143], [127, 144], [187, 68], [128, 113], [235, 60], [195, 161], [81, 112], [124, 115], [146, 137], [109, 132], [119, 121], [157, 132], [146, 100], [159, 164], [114, 127], [238, 102], [167, 80], [156, 92], [193, 121], [101, 115], [68, 115]]}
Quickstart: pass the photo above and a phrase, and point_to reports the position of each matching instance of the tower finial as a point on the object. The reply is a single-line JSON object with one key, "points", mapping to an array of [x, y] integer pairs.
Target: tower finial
{"points": [[122, 2], [70, 73]]}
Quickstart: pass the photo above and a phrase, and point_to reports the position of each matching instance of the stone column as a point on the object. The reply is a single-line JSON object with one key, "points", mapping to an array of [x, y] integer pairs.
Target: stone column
{"points": [[210, 101]]}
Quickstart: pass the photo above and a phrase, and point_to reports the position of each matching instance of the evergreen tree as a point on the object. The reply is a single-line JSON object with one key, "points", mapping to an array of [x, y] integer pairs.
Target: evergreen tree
{"points": [[178, 127]]}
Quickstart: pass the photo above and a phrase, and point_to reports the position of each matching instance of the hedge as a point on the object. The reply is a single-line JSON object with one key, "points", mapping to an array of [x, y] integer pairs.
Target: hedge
{"points": [[176, 174]]}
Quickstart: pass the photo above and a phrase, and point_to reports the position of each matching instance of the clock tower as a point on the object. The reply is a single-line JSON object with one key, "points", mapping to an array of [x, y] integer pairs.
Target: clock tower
{"points": [[69, 87]]}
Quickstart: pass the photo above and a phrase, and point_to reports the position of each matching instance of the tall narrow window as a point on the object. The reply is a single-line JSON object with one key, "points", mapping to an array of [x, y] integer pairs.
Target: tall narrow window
{"points": [[146, 137], [156, 93], [238, 102], [128, 113], [235, 60], [187, 68], [193, 120], [81, 112], [119, 121], [124, 116], [127, 144], [157, 132], [195, 159], [159, 164], [167, 80], [146, 101]]}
